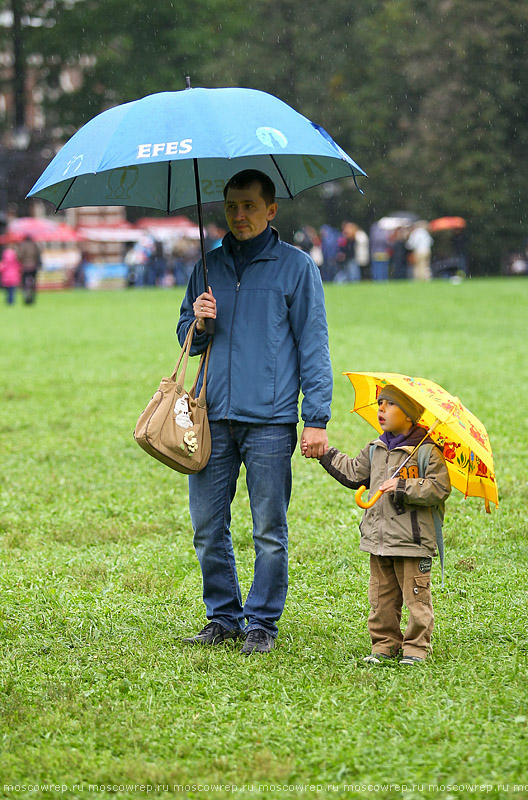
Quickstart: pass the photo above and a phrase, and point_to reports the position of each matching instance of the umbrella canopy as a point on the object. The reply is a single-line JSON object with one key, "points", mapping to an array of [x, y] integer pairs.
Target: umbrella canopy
{"points": [[170, 149], [143, 153], [462, 436], [447, 224]]}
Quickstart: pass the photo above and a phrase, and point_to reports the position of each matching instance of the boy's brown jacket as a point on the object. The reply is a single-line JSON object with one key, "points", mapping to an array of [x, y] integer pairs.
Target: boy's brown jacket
{"points": [[400, 523]]}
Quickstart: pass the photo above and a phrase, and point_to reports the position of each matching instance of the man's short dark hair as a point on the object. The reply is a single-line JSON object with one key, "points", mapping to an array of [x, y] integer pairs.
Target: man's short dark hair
{"points": [[248, 176]]}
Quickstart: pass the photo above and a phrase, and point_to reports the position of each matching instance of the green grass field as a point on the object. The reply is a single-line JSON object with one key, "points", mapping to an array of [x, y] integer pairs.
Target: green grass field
{"points": [[99, 580]]}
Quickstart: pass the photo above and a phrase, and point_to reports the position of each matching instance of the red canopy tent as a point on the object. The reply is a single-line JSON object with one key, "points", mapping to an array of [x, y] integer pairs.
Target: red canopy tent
{"points": [[39, 229]]}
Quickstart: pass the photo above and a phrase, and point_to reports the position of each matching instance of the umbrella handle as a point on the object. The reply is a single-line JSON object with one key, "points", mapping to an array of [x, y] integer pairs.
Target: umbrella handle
{"points": [[209, 326], [373, 500]]}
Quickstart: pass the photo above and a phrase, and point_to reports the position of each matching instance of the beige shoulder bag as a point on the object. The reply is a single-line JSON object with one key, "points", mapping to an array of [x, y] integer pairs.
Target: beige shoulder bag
{"points": [[174, 427]]}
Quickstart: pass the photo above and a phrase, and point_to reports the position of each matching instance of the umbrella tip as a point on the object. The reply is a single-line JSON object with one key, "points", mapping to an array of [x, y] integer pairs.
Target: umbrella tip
{"points": [[187, 81]]}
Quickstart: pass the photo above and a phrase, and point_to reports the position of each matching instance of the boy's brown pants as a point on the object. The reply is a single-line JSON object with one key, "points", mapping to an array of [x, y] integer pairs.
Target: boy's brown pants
{"points": [[394, 581]]}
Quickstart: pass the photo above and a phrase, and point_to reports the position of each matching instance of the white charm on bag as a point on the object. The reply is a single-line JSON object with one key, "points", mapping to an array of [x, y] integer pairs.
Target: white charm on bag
{"points": [[181, 411]]}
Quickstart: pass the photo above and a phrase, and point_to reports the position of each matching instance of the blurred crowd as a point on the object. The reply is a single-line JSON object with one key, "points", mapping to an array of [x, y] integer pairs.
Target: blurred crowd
{"points": [[389, 251], [154, 263], [395, 248]]}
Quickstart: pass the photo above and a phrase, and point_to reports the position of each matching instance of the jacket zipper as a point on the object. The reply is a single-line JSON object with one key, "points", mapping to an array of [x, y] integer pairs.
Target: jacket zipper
{"points": [[230, 351], [231, 334]]}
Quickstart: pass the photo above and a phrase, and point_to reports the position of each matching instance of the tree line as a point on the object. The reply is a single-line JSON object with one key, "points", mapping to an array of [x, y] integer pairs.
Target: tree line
{"points": [[428, 96]]}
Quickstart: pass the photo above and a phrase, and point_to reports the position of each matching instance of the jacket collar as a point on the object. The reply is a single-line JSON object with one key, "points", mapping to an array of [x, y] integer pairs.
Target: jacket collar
{"points": [[269, 251]]}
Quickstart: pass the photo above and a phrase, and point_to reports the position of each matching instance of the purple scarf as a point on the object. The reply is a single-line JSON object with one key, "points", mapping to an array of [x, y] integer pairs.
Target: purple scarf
{"points": [[410, 439]]}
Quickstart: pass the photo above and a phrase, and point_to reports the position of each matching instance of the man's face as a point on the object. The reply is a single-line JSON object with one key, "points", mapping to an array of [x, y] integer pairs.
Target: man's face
{"points": [[247, 213]]}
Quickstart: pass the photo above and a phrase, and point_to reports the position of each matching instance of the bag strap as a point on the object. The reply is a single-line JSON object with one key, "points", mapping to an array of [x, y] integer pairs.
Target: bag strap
{"points": [[205, 357], [185, 351]]}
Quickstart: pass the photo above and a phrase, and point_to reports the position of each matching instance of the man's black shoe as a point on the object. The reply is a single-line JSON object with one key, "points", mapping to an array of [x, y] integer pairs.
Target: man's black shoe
{"points": [[213, 633], [258, 641]]}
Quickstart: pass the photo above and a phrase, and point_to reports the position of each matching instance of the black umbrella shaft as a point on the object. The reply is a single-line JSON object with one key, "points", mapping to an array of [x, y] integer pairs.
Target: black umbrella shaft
{"points": [[209, 323], [200, 222]]}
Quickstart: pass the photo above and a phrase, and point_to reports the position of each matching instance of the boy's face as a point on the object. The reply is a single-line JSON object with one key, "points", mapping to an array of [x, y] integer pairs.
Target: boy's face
{"points": [[392, 419]]}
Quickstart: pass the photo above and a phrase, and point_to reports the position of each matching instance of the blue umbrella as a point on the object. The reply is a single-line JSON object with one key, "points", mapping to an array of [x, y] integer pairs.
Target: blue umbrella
{"points": [[169, 150]]}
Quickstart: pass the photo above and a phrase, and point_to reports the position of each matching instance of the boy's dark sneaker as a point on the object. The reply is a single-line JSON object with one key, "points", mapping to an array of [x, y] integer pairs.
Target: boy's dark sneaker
{"points": [[412, 660], [377, 658], [258, 641], [213, 633]]}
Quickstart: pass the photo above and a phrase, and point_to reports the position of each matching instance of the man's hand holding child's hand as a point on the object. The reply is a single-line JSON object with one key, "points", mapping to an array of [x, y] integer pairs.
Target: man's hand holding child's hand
{"points": [[314, 442]]}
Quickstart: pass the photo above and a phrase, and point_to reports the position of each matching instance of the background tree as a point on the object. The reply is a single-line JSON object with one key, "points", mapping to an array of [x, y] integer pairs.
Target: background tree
{"points": [[427, 95]]}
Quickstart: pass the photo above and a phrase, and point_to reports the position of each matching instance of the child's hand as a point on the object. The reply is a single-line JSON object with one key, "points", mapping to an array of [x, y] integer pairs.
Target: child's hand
{"points": [[389, 486]]}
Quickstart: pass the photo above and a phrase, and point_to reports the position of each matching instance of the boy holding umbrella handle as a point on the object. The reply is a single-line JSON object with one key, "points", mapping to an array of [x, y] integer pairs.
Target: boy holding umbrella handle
{"points": [[398, 531]]}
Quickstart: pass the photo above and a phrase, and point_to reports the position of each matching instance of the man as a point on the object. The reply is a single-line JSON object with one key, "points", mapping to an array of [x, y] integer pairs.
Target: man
{"points": [[379, 253], [270, 340], [29, 257], [346, 255], [420, 243]]}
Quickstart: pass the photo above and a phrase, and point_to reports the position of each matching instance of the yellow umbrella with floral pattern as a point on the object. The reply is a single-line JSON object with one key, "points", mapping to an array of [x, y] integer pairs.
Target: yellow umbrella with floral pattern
{"points": [[460, 433]]}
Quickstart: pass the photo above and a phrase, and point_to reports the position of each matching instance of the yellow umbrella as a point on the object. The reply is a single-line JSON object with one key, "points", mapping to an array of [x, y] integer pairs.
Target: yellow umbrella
{"points": [[462, 436]]}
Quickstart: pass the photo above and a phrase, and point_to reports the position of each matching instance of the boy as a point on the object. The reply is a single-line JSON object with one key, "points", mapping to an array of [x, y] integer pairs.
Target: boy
{"points": [[398, 531]]}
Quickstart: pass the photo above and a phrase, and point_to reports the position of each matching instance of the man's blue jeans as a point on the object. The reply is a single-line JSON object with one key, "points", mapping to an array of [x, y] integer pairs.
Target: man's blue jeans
{"points": [[266, 452]]}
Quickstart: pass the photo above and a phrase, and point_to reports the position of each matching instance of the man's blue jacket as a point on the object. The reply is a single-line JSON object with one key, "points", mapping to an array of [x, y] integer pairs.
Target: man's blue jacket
{"points": [[271, 337]]}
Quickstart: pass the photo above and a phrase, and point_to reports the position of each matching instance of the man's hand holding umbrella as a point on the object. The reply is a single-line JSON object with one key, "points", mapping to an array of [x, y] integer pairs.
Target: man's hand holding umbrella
{"points": [[204, 307]]}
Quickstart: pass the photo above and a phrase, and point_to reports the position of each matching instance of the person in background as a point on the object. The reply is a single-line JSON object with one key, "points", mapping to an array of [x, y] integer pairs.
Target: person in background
{"points": [[399, 254], [420, 243], [459, 242], [362, 252], [307, 239], [213, 236], [329, 245], [30, 262], [79, 275], [346, 254], [10, 273], [380, 253]]}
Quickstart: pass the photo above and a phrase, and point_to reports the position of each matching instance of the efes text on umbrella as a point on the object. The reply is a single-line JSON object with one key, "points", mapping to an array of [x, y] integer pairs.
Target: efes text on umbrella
{"points": [[154, 150], [209, 186]]}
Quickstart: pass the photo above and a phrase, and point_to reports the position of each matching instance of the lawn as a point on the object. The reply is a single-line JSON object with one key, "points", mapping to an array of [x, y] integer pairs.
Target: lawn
{"points": [[99, 580]]}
